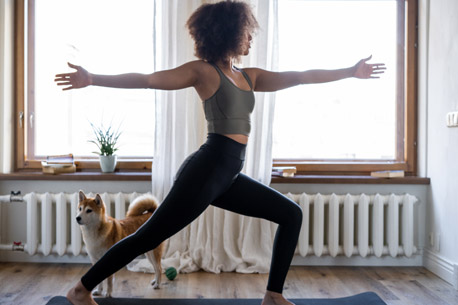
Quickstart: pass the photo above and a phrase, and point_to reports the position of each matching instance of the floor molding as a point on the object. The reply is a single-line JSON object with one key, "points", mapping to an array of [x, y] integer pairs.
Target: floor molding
{"points": [[415, 260], [442, 267]]}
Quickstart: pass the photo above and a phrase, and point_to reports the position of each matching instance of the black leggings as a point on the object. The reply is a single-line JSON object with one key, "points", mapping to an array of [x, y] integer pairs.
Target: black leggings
{"points": [[211, 175]]}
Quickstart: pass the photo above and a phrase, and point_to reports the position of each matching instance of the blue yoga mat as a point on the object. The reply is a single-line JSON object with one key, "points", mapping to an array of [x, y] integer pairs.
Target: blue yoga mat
{"points": [[367, 298]]}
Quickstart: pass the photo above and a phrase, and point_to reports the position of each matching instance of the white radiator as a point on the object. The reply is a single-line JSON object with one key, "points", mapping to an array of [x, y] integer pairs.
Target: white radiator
{"points": [[51, 224], [332, 224], [356, 224]]}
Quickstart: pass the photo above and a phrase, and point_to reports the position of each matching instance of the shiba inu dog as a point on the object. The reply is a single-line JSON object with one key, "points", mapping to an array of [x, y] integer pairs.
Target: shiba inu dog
{"points": [[101, 231]]}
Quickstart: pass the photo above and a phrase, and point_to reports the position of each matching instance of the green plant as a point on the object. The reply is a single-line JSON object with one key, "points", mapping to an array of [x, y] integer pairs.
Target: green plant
{"points": [[105, 140]]}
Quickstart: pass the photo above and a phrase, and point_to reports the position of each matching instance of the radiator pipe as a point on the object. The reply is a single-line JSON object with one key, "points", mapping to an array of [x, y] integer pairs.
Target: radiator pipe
{"points": [[12, 197], [370, 251], [23, 247], [12, 247]]}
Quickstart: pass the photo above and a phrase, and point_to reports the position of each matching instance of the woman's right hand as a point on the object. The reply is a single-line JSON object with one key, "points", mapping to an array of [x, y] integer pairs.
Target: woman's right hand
{"points": [[79, 79]]}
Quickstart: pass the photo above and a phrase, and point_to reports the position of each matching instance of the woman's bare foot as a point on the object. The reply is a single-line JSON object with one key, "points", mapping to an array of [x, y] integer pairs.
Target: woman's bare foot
{"points": [[79, 295], [275, 298]]}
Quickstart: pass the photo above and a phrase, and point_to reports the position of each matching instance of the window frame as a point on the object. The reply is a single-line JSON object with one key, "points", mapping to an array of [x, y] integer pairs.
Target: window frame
{"points": [[24, 97], [406, 112]]}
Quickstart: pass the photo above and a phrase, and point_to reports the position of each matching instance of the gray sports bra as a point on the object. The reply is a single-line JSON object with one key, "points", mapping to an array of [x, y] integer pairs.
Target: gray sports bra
{"points": [[228, 110]]}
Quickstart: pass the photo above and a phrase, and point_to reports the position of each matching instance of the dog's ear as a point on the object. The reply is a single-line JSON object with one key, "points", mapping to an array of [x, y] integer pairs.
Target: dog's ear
{"points": [[81, 196], [98, 199]]}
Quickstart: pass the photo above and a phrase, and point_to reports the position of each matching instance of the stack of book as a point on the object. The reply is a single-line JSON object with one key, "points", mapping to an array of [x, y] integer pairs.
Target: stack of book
{"points": [[59, 164], [285, 171], [388, 174]]}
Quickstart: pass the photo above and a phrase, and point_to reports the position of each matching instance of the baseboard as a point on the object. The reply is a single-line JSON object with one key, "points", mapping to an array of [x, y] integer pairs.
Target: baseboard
{"points": [[23, 257], [442, 267], [415, 260]]}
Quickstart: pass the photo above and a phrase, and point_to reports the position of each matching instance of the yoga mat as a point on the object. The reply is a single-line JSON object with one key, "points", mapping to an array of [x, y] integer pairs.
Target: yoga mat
{"points": [[367, 298]]}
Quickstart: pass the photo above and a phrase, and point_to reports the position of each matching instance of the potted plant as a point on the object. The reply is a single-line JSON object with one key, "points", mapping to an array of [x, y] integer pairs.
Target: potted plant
{"points": [[106, 140]]}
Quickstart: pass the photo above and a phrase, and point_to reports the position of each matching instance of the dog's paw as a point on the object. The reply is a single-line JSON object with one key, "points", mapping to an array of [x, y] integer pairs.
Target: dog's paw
{"points": [[155, 284], [107, 295]]}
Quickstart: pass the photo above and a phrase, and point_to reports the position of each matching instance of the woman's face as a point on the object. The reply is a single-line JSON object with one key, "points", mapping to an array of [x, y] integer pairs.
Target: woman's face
{"points": [[246, 43]]}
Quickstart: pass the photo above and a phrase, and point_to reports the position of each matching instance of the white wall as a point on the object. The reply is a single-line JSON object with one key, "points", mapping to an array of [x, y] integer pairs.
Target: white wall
{"points": [[439, 49]]}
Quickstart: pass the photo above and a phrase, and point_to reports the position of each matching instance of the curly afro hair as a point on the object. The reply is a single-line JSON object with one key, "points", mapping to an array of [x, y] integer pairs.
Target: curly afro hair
{"points": [[218, 29]]}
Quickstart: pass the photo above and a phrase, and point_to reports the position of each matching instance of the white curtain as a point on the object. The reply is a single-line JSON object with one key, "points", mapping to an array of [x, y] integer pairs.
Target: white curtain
{"points": [[180, 123], [264, 54], [6, 85], [218, 240]]}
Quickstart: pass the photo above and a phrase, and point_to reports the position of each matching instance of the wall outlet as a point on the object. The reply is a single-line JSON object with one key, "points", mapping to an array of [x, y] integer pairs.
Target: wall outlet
{"points": [[452, 119], [437, 242], [431, 240]]}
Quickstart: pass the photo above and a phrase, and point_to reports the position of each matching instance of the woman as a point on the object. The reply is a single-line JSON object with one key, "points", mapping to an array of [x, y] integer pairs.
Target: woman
{"points": [[222, 34]]}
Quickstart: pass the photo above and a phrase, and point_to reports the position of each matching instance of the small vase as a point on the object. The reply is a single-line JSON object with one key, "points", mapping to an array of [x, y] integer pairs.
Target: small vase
{"points": [[108, 163]]}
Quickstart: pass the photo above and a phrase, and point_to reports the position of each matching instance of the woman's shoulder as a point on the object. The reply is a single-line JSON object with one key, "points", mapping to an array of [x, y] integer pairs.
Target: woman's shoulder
{"points": [[199, 66], [252, 72], [198, 63]]}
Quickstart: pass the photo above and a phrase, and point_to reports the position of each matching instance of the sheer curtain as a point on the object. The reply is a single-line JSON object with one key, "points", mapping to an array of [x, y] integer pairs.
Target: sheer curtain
{"points": [[6, 85], [218, 240], [264, 54], [180, 122]]}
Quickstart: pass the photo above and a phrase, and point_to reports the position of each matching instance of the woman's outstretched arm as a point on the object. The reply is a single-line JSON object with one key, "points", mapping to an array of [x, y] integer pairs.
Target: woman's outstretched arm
{"points": [[181, 77], [274, 81]]}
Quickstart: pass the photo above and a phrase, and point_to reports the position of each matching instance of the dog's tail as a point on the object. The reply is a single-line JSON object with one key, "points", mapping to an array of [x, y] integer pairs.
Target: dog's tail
{"points": [[142, 204]]}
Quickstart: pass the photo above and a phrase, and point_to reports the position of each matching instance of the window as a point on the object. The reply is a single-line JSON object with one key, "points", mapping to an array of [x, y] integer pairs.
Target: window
{"points": [[349, 126], [346, 127], [104, 36]]}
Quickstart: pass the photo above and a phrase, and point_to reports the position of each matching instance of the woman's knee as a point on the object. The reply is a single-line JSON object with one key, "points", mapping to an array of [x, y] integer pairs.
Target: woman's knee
{"points": [[292, 215], [296, 215]]}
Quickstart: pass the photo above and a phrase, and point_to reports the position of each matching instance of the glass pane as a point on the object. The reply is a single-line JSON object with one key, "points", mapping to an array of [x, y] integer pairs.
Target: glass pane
{"points": [[349, 119], [105, 37]]}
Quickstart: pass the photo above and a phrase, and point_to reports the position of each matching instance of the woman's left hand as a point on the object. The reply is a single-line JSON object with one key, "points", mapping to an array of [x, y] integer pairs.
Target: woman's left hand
{"points": [[365, 70]]}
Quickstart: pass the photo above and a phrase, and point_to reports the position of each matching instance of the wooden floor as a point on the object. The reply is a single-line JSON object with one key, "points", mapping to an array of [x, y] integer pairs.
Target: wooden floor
{"points": [[37, 283]]}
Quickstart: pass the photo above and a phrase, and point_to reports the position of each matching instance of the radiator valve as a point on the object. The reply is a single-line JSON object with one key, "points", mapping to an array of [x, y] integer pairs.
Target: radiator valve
{"points": [[18, 246], [16, 196]]}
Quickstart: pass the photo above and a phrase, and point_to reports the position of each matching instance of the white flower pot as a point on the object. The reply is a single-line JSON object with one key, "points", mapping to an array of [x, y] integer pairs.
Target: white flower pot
{"points": [[108, 163]]}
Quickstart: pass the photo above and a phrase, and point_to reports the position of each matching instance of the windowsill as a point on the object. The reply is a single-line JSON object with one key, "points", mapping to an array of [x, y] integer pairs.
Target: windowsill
{"points": [[80, 176], [146, 176], [318, 179]]}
